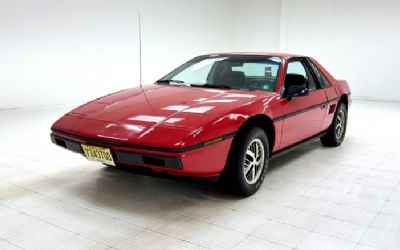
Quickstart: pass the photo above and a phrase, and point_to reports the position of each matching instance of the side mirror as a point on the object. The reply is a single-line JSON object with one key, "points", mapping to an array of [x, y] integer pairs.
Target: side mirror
{"points": [[296, 90]]}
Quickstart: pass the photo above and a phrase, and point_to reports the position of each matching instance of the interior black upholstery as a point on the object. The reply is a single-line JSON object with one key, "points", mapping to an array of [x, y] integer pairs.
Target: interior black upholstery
{"points": [[294, 79], [236, 79]]}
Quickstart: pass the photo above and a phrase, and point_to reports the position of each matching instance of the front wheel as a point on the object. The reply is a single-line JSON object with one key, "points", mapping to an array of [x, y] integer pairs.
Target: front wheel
{"points": [[337, 130], [247, 162]]}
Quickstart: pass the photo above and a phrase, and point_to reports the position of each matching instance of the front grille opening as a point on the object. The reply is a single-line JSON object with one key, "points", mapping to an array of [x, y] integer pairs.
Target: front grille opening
{"points": [[61, 143], [153, 161]]}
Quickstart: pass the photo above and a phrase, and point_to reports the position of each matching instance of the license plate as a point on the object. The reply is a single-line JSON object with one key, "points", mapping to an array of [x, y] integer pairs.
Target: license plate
{"points": [[98, 154]]}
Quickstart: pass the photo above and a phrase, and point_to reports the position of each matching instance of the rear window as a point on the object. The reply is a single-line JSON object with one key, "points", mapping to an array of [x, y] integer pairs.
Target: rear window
{"points": [[259, 69]]}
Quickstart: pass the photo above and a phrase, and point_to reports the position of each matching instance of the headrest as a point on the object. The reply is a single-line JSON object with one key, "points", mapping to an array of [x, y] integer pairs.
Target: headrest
{"points": [[294, 79], [237, 74]]}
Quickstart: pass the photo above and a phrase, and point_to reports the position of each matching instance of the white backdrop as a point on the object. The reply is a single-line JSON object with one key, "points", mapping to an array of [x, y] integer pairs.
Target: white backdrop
{"points": [[65, 52], [70, 51], [355, 40]]}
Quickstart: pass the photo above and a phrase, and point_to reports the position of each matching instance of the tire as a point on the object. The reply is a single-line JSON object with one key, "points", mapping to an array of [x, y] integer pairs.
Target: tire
{"points": [[240, 161], [337, 130]]}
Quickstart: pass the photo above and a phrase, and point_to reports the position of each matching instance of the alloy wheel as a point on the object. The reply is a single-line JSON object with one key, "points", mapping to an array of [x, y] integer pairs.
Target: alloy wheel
{"points": [[254, 161], [340, 124]]}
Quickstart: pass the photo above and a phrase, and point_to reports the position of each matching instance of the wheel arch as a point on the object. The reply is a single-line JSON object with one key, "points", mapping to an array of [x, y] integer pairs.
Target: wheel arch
{"points": [[263, 122]]}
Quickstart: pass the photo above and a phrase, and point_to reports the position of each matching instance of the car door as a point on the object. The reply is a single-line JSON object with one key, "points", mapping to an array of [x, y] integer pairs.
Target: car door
{"points": [[302, 116]]}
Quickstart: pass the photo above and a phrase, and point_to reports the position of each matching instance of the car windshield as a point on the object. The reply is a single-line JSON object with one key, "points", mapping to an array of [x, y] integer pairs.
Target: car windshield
{"points": [[247, 72]]}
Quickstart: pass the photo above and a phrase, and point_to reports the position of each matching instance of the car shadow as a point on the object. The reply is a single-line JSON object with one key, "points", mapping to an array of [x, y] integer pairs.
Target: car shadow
{"points": [[122, 189], [288, 158]]}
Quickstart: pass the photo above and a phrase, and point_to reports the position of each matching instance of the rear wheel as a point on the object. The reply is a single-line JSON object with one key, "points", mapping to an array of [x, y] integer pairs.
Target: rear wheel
{"points": [[247, 162], [337, 130]]}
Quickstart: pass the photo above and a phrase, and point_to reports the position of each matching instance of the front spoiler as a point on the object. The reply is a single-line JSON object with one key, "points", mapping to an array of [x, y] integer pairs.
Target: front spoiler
{"points": [[122, 156]]}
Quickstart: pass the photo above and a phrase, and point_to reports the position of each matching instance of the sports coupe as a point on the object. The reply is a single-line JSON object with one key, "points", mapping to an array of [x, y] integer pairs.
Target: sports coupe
{"points": [[217, 115]]}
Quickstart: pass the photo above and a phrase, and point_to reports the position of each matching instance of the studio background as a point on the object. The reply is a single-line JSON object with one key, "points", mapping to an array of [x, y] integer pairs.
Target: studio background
{"points": [[69, 52]]}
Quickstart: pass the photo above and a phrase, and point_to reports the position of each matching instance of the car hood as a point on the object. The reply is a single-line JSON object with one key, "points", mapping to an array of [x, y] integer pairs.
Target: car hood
{"points": [[144, 115]]}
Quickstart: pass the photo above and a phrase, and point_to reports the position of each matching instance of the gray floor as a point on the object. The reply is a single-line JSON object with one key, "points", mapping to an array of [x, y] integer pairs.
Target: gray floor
{"points": [[313, 198]]}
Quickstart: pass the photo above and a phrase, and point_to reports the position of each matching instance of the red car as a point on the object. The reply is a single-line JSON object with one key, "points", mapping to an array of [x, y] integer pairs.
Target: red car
{"points": [[218, 115]]}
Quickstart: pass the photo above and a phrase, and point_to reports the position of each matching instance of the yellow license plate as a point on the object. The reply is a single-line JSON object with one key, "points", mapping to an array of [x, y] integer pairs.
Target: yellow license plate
{"points": [[98, 154]]}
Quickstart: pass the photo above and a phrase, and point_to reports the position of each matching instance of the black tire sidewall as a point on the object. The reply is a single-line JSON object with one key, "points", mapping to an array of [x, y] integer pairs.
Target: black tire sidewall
{"points": [[341, 106], [238, 158]]}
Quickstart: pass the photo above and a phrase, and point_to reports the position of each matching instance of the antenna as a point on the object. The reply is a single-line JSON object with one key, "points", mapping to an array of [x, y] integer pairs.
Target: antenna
{"points": [[140, 51], [140, 62]]}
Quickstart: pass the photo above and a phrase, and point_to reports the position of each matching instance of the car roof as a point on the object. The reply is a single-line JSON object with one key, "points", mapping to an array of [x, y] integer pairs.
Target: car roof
{"points": [[281, 55]]}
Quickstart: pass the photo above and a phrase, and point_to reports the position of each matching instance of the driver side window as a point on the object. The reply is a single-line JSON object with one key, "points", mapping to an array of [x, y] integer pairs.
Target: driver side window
{"points": [[298, 68]]}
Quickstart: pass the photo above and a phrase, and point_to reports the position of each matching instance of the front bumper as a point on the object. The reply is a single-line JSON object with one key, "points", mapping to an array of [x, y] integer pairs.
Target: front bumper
{"points": [[206, 161]]}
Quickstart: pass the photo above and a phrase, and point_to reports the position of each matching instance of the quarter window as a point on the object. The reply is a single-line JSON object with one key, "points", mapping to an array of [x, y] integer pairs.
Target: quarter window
{"points": [[321, 78]]}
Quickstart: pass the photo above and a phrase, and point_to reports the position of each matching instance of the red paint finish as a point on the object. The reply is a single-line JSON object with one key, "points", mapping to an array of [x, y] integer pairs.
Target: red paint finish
{"points": [[305, 124], [179, 119]]}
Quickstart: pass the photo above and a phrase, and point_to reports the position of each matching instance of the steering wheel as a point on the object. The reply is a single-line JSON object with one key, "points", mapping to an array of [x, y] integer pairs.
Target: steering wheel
{"points": [[255, 84]]}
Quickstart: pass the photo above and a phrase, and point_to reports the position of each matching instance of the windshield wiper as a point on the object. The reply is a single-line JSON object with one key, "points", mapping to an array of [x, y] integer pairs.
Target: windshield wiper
{"points": [[208, 85], [171, 80]]}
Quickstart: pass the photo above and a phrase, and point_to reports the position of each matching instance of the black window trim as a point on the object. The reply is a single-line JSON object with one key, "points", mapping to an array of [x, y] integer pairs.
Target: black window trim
{"points": [[311, 74], [314, 68]]}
